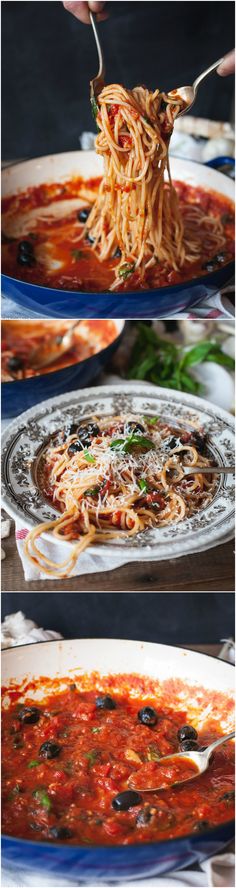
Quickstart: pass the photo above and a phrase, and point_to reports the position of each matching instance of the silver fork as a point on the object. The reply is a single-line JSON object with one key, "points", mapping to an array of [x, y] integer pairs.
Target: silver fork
{"points": [[189, 93], [97, 84]]}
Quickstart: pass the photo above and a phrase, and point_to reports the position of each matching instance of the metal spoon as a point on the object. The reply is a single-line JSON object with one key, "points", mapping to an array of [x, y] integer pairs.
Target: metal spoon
{"points": [[200, 759], [46, 354], [97, 84], [188, 94]]}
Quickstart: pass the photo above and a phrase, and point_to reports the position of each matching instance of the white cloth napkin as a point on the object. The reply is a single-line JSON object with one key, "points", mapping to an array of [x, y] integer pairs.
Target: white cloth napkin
{"points": [[87, 562]]}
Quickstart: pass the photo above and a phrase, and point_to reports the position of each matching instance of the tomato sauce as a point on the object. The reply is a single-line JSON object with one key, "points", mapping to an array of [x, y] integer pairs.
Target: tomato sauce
{"points": [[20, 339], [68, 758], [61, 257]]}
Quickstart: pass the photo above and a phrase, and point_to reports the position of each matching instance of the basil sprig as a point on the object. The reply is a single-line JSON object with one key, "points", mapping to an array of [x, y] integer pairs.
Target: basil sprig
{"points": [[125, 444]]}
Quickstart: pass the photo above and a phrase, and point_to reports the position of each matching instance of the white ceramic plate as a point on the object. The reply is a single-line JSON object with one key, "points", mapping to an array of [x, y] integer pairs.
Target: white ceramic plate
{"points": [[26, 436]]}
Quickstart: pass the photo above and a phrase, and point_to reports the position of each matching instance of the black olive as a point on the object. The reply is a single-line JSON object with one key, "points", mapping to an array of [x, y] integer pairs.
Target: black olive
{"points": [[117, 253], [227, 219], [172, 442], [29, 715], [147, 716], [15, 363], [228, 796], [71, 429], [75, 447], [83, 214], [49, 750], [60, 832], [201, 826], [144, 816], [25, 259], [90, 238], [134, 428], [188, 745], [18, 742], [105, 703], [220, 257], [199, 441], [91, 428], [125, 800], [25, 247], [187, 732], [209, 266], [36, 826]]}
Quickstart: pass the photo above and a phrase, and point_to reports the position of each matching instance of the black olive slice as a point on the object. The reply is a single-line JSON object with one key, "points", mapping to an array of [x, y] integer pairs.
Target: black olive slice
{"points": [[125, 800], [83, 214], [75, 447], [29, 715], [187, 732], [60, 832], [49, 750], [134, 428], [228, 796], [144, 816], [147, 716], [15, 363], [201, 826], [188, 745], [26, 259], [105, 702], [209, 266], [25, 246]]}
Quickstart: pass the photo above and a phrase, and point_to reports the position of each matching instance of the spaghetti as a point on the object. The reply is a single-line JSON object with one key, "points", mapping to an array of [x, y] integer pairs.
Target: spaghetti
{"points": [[137, 214], [114, 477]]}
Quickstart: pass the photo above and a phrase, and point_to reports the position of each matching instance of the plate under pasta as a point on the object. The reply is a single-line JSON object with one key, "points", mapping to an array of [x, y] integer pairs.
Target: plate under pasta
{"points": [[152, 512]]}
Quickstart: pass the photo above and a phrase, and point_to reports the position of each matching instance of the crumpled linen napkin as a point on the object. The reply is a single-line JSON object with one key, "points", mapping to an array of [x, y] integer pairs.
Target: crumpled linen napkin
{"points": [[16, 629]]}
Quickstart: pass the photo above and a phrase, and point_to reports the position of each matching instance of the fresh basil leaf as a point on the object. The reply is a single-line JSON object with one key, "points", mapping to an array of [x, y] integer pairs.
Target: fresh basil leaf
{"points": [[88, 456], [126, 269], [43, 798], [94, 107], [221, 358], [33, 764], [151, 420], [117, 444], [197, 354], [92, 756], [143, 485]]}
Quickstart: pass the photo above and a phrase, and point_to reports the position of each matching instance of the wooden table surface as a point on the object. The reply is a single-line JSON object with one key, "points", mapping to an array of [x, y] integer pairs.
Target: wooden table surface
{"points": [[211, 571]]}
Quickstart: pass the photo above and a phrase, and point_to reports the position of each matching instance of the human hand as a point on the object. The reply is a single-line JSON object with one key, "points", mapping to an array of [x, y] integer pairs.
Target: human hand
{"points": [[228, 64], [81, 10]]}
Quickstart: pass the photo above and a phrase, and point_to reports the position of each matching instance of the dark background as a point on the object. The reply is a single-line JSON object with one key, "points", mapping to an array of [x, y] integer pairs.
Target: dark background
{"points": [[176, 618], [48, 58]]}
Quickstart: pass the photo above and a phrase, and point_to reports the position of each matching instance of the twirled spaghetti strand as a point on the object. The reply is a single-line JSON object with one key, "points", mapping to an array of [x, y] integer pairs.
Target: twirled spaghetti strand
{"points": [[137, 211]]}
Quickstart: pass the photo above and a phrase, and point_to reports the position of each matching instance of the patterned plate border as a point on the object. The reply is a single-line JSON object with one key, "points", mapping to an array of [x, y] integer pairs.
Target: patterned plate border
{"points": [[26, 436]]}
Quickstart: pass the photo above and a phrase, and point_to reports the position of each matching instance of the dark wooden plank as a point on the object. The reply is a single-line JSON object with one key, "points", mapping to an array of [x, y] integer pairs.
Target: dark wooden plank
{"points": [[210, 571]]}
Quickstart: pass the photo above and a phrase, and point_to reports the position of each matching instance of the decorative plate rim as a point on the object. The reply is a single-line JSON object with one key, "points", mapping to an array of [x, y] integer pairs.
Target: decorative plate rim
{"points": [[206, 529]]}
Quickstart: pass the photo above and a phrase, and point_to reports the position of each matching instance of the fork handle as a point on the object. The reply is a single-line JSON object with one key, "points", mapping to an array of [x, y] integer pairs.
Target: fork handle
{"points": [[209, 470], [205, 74], [101, 72]]}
